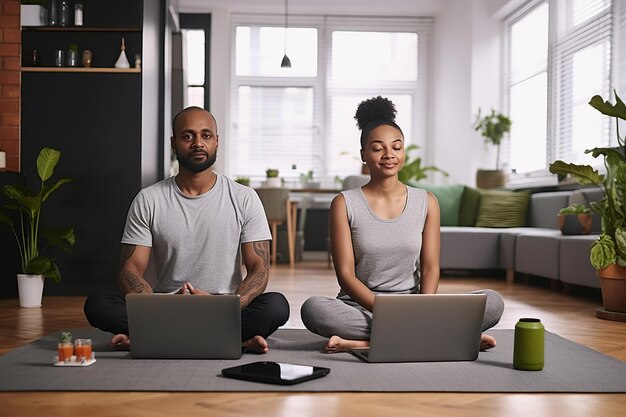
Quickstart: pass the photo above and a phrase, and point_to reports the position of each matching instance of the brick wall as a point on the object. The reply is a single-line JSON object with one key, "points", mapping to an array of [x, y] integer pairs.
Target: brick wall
{"points": [[10, 62]]}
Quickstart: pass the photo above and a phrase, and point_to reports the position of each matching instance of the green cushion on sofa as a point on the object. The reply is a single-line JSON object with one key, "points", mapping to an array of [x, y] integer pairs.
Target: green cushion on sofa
{"points": [[503, 209], [449, 197], [469, 207]]}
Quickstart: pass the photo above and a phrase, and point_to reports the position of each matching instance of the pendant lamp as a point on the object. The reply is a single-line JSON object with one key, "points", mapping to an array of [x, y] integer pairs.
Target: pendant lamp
{"points": [[286, 62]]}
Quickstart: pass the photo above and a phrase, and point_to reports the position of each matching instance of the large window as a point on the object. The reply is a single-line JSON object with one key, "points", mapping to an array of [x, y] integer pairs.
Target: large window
{"points": [[300, 119], [559, 56]]}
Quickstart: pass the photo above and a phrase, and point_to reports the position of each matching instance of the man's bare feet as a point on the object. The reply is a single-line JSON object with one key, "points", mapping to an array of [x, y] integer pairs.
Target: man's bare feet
{"points": [[337, 344], [487, 342], [256, 344], [121, 341]]}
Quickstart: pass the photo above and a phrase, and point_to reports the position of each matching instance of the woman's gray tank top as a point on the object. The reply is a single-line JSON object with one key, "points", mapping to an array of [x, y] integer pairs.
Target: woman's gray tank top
{"points": [[387, 252]]}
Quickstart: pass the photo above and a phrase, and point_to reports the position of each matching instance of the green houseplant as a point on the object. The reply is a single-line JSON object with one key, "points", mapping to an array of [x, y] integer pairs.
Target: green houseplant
{"points": [[243, 180], [272, 179], [575, 219], [492, 127], [608, 252], [27, 230], [271, 172], [412, 170]]}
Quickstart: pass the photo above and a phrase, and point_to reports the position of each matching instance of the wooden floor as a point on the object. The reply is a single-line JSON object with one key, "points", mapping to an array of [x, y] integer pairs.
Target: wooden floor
{"points": [[571, 316]]}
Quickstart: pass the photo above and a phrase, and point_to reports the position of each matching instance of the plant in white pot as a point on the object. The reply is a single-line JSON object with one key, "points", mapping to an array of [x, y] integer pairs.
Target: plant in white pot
{"points": [[492, 127], [608, 252], [33, 265], [272, 179]]}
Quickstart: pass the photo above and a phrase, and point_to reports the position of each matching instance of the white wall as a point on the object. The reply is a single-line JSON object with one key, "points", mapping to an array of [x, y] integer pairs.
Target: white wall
{"points": [[465, 72]]}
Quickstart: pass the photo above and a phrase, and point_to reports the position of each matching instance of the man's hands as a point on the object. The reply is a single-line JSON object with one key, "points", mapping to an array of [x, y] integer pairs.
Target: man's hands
{"points": [[188, 289]]}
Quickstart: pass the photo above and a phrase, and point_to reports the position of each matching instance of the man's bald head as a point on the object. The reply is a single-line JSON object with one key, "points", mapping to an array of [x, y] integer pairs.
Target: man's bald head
{"points": [[187, 110]]}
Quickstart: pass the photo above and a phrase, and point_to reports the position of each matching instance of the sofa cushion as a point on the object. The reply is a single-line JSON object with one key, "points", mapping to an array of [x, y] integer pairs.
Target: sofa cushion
{"points": [[538, 253], [469, 206], [449, 197], [469, 248], [544, 208], [503, 209], [574, 264]]}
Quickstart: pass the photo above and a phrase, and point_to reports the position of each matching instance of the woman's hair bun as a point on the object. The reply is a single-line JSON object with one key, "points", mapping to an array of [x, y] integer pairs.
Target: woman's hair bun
{"points": [[375, 108]]}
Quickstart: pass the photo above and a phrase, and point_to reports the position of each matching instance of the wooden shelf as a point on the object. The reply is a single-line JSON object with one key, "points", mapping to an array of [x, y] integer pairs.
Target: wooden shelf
{"points": [[82, 69], [76, 29]]}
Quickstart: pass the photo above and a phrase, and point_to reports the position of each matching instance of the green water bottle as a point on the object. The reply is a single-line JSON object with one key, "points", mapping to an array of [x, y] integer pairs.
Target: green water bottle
{"points": [[528, 349]]}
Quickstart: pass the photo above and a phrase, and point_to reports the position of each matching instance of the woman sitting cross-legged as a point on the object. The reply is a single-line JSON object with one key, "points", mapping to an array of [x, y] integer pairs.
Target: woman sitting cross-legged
{"points": [[385, 238]]}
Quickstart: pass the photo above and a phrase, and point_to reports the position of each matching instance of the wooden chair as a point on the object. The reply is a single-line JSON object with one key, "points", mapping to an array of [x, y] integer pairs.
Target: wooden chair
{"points": [[279, 210]]}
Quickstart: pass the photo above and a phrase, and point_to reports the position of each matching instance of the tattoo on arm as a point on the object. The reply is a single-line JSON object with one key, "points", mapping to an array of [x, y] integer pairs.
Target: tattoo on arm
{"points": [[262, 249], [130, 282], [255, 281]]}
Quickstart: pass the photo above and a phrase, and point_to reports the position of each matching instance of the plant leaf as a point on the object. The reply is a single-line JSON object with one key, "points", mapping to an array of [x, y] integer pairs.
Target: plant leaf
{"points": [[607, 152], [583, 174], [49, 189], [604, 107], [46, 162], [5, 219], [602, 252], [37, 266], [53, 272], [620, 242], [25, 200], [63, 238]]}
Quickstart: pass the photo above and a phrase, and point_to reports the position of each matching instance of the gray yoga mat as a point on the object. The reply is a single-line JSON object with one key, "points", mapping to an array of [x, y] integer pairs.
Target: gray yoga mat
{"points": [[570, 367]]}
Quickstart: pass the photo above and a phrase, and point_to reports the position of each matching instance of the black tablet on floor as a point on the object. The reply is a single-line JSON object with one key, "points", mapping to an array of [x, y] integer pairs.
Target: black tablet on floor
{"points": [[275, 372]]}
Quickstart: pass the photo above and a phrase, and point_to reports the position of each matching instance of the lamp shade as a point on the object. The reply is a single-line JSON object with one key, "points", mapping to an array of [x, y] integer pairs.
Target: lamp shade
{"points": [[286, 63]]}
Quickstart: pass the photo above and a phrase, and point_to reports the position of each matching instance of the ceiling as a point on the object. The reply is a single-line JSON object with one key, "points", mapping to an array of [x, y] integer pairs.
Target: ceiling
{"points": [[334, 7]]}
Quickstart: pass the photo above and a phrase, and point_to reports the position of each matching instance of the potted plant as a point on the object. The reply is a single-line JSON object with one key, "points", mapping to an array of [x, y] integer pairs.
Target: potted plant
{"points": [[608, 252], [271, 173], [492, 127], [65, 348], [34, 266], [308, 180], [575, 220], [243, 181], [412, 170], [272, 180]]}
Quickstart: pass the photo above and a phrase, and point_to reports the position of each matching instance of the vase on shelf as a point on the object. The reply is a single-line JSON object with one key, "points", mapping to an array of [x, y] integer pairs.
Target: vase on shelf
{"points": [[122, 61], [53, 13], [64, 13]]}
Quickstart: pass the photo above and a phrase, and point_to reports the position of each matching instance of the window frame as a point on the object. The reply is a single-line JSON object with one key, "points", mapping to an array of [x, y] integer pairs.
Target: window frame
{"points": [[322, 85], [201, 21], [556, 39]]}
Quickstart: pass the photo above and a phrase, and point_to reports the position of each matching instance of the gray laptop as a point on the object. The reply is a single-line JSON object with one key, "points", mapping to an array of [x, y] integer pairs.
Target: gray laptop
{"points": [[171, 326], [425, 328]]}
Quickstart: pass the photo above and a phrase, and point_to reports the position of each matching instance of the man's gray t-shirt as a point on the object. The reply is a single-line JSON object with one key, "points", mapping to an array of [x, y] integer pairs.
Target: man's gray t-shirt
{"points": [[196, 239]]}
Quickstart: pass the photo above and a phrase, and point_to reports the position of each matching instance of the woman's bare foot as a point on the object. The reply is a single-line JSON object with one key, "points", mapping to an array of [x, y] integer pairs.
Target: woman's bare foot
{"points": [[337, 344], [256, 344], [121, 341], [487, 342]]}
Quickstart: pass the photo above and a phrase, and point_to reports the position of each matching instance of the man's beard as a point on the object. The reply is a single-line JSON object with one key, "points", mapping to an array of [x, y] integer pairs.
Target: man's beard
{"points": [[196, 167]]}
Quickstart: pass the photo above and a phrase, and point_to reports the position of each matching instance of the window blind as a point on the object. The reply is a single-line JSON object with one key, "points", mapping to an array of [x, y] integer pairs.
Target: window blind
{"points": [[582, 60], [301, 119], [584, 43]]}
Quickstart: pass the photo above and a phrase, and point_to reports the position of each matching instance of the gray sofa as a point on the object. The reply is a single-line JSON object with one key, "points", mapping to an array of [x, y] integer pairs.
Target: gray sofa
{"points": [[537, 249]]}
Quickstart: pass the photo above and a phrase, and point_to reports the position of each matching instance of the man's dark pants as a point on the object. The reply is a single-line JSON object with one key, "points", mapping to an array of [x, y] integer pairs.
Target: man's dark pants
{"points": [[261, 317]]}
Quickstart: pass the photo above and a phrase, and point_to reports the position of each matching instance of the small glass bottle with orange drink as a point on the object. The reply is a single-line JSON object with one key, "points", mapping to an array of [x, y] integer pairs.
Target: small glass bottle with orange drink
{"points": [[82, 349]]}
